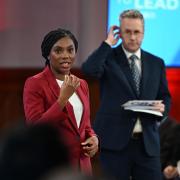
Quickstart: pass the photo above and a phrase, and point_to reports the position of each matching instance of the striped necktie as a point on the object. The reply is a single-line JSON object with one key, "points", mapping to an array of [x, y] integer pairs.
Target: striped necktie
{"points": [[135, 72]]}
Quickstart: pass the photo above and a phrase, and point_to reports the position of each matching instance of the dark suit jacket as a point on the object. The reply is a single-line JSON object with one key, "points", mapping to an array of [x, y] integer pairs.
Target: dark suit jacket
{"points": [[113, 124], [40, 105]]}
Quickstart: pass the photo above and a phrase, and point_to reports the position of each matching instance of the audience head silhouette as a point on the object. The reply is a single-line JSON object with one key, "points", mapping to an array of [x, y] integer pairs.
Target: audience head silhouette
{"points": [[29, 153]]}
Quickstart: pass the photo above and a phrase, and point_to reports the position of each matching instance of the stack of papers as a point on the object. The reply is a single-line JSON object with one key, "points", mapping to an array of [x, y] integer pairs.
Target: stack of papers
{"points": [[145, 106]]}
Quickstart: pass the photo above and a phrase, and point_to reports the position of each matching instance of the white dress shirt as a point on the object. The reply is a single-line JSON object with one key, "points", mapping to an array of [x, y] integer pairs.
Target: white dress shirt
{"points": [[138, 126], [76, 103]]}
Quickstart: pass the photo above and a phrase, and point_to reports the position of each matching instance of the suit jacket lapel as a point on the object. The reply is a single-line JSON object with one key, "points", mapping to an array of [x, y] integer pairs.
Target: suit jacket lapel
{"points": [[83, 100], [81, 95], [124, 65], [145, 73], [71, 115], [51, 81]]}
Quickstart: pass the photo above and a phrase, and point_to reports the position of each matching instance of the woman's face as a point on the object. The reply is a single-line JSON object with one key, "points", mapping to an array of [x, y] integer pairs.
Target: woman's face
{"points": [[62, 56]]}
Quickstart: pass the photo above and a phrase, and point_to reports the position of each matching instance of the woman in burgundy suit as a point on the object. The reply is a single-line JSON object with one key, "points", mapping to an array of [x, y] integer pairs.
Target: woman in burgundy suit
{"points": [[58, 97]]}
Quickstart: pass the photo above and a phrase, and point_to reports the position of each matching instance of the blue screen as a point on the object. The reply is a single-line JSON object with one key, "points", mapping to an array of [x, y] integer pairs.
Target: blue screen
{"points": [[162, 25]]}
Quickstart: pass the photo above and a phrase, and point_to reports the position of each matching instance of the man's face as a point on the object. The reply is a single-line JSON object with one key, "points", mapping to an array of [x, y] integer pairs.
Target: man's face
{"points": [[131, 33]]}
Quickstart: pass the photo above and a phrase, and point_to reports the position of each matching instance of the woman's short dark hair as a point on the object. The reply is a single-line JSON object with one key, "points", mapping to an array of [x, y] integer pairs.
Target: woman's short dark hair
{"points": [[52, 37]]}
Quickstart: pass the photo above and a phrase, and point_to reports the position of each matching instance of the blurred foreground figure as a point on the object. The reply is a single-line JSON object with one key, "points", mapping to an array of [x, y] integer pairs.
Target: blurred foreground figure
{"points": [[170, 148], [30, 153]]}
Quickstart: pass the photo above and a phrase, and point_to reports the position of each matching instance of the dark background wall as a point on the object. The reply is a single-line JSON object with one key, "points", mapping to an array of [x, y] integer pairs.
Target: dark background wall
{"points": [[24, 23]]}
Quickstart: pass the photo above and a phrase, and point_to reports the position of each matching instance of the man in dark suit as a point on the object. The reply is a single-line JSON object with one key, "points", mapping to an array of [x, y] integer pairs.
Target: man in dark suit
{"points": [[129, 141]]}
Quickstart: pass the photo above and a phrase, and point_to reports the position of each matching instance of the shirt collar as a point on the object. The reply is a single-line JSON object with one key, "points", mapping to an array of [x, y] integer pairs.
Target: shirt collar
{"points": [[129, 54]]}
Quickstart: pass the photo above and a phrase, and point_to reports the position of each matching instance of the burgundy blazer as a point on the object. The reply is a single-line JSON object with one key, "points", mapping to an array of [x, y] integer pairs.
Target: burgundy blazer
{"points": [[40, 105]]}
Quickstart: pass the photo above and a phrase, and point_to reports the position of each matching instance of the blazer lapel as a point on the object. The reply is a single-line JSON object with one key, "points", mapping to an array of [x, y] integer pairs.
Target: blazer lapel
{"points": [[51, 79], [145, 73], [124, 65], [83, 100], [56, 91], [82, 97], [71, 115]]}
